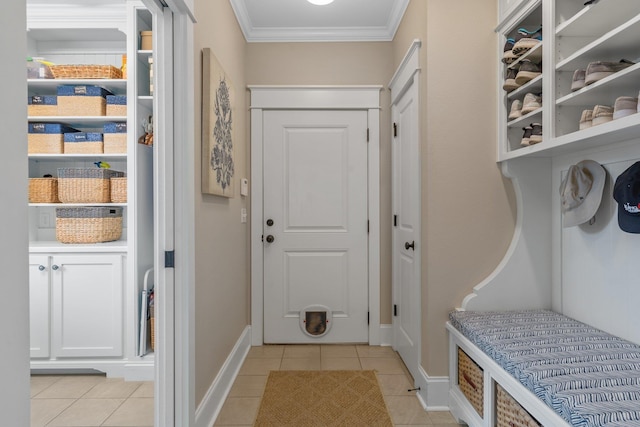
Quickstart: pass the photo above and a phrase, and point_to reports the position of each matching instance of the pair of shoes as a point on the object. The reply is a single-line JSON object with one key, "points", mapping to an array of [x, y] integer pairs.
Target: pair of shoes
{"points": [[625, 106], [525, 40], [528, 71], [532, 134], [599, 115], [510, 80], [598, 70], [531, 102], [507, 55], [577, 82]]}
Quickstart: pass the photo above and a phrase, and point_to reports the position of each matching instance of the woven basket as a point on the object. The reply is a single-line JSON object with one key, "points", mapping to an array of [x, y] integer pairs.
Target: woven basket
{"points": [[119, 190], [509, 413], [45, 143], [89, 147], [85, 72], [471, 381], [153, 334], [43, 190], [82, 106], [42, 110], [88, 224], [78, 185], [115, 143]]}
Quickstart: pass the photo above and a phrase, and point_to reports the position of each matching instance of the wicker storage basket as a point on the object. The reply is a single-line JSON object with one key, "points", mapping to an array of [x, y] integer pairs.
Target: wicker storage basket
{"points": [[79, 185], [509, 413], [115, 138], [43, 190], [88, 224], [152, 320], [471, 381], [83, 143], [46, 105], [85, 72], [116, 105], [119, 190], [82, 100], [47, 138]]}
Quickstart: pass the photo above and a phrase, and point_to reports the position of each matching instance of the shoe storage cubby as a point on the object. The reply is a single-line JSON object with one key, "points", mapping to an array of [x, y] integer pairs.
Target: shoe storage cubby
{"points": [[592, 37]]}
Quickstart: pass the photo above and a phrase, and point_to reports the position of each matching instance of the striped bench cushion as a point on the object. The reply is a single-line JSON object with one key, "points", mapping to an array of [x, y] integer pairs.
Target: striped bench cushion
{"points": [[589, 377]]}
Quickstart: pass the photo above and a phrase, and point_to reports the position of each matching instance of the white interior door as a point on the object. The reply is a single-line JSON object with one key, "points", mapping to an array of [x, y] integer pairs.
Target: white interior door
{"points": [[315, 226], [406, 231]]}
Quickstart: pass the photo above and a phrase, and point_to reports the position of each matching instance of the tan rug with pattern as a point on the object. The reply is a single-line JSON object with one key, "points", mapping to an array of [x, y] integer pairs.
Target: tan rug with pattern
{"points": [[322, 399]]}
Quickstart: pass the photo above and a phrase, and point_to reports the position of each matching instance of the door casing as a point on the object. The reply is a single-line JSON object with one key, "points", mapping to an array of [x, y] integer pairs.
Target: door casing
{"points": [[320, 98]]}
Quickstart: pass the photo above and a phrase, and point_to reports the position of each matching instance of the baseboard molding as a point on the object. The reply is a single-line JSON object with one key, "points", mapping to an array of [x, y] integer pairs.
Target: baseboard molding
{"points": [[211, 404], [386, 335], [434, 391]]}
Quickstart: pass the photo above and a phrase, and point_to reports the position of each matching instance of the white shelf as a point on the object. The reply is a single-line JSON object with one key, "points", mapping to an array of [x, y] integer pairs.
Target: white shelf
{"points": [[55, 246], [77, 156], [534, 55], [520, 121], [532, 86], [80, 120], [72, 205], [589, 20]]}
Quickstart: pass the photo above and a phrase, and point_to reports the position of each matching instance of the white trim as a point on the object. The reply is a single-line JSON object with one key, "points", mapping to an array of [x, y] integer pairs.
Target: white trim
{"points": [[211, 404], [386, 335], [318, 34], [403, 76], [314, 97], [434, 391]]}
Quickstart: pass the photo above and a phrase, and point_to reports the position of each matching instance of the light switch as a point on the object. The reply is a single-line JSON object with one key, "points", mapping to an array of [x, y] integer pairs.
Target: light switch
{"points": [[243, 215]]}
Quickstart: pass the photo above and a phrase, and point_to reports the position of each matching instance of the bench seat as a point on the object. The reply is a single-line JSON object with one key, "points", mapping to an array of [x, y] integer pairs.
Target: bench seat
{"points": [[587, 376]]}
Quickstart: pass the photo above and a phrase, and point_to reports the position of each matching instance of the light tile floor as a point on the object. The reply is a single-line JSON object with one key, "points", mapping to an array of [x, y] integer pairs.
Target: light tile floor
{"points": [[89, 401], [242, 404]]}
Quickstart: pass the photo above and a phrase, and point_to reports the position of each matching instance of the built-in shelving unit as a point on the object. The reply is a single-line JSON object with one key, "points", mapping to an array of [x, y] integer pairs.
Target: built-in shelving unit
{"points": [[62, 336]]}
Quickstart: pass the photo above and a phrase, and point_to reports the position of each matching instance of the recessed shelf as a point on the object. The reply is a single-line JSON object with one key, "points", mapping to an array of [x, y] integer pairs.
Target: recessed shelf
{"points": [[73, 205], [77, 156], [532, 86], [50, 85], [47, 246], [589, 20], [78, 121], [527, 117]]}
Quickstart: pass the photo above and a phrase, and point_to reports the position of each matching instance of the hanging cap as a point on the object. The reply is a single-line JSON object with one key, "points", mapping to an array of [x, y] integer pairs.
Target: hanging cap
{"points": [[581, 192]]}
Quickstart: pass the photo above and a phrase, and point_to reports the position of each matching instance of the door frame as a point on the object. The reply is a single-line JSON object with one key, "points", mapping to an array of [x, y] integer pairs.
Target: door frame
{"points": [[365, 98]]}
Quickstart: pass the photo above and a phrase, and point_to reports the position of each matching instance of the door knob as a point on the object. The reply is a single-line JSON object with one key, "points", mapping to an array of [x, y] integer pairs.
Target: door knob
{"points": [[41, 267], [54, 267], [411, 245], [270, 238], [269, 222]]}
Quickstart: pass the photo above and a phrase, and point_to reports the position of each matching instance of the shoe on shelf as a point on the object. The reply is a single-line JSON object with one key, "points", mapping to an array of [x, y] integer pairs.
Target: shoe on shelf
{"points": [[578, 80], [536, 133], [531, 102], [602, 114], [507, 56], [598, 70], [586, 119], [528, 71], [625, 106], [516, 110], [525, 40], [526, 136], [510, 80]]}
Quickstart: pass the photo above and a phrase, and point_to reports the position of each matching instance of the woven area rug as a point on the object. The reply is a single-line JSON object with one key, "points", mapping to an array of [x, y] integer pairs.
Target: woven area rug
{"points": [[322, 398]]}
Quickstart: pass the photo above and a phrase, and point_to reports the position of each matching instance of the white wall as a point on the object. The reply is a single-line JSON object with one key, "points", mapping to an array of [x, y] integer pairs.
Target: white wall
{"points": [[14, 287]]}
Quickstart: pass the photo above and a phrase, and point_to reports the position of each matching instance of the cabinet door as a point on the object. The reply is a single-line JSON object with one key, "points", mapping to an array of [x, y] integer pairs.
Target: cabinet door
{"points": [[39, 293], [87, 305]]}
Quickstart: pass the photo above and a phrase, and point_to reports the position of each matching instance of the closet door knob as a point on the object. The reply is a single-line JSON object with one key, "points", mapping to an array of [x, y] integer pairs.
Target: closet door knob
{"points": [[411, 245], [270, 238], [54, 267], [41, 267]]}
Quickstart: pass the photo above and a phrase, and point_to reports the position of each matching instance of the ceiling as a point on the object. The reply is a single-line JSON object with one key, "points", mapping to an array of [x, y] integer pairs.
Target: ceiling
{"points": [[301, 21]]}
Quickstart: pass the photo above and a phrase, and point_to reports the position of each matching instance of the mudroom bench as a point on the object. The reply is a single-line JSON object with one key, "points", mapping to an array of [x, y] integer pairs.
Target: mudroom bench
{"points": [[538, 367]]}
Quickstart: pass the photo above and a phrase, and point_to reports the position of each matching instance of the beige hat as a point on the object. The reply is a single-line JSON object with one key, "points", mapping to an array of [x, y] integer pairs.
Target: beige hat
{"points": [[581, 192]]}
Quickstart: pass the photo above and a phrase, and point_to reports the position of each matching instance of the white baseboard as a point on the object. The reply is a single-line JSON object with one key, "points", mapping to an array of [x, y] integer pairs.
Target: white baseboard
{"points": [[211, 404], [434, 391], [386, 335]]}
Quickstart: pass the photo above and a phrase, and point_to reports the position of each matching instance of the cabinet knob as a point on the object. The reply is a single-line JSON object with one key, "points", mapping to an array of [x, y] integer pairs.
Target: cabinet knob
{"points": [[41, 267], [54, 267]]}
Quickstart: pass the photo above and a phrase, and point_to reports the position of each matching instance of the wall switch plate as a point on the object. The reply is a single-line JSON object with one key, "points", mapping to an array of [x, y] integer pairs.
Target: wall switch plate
{"points": [[244, 186], [243, 215]]}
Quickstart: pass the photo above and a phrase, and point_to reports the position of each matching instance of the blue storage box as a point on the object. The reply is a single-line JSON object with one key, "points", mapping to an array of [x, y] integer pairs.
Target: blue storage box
{"points": [[47, 138], [115, 128], [83, 143], [82, 100], [82, 90], [116, 99], [43, 100], [116, 105]]}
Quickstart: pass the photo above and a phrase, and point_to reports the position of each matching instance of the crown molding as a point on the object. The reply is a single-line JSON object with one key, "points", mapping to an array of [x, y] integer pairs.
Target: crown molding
{"points": [[254, 34]]}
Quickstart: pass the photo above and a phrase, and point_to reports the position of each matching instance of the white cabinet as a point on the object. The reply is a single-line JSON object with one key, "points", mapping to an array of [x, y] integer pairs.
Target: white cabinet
{"points": [[76, 305], [39, 304]]}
